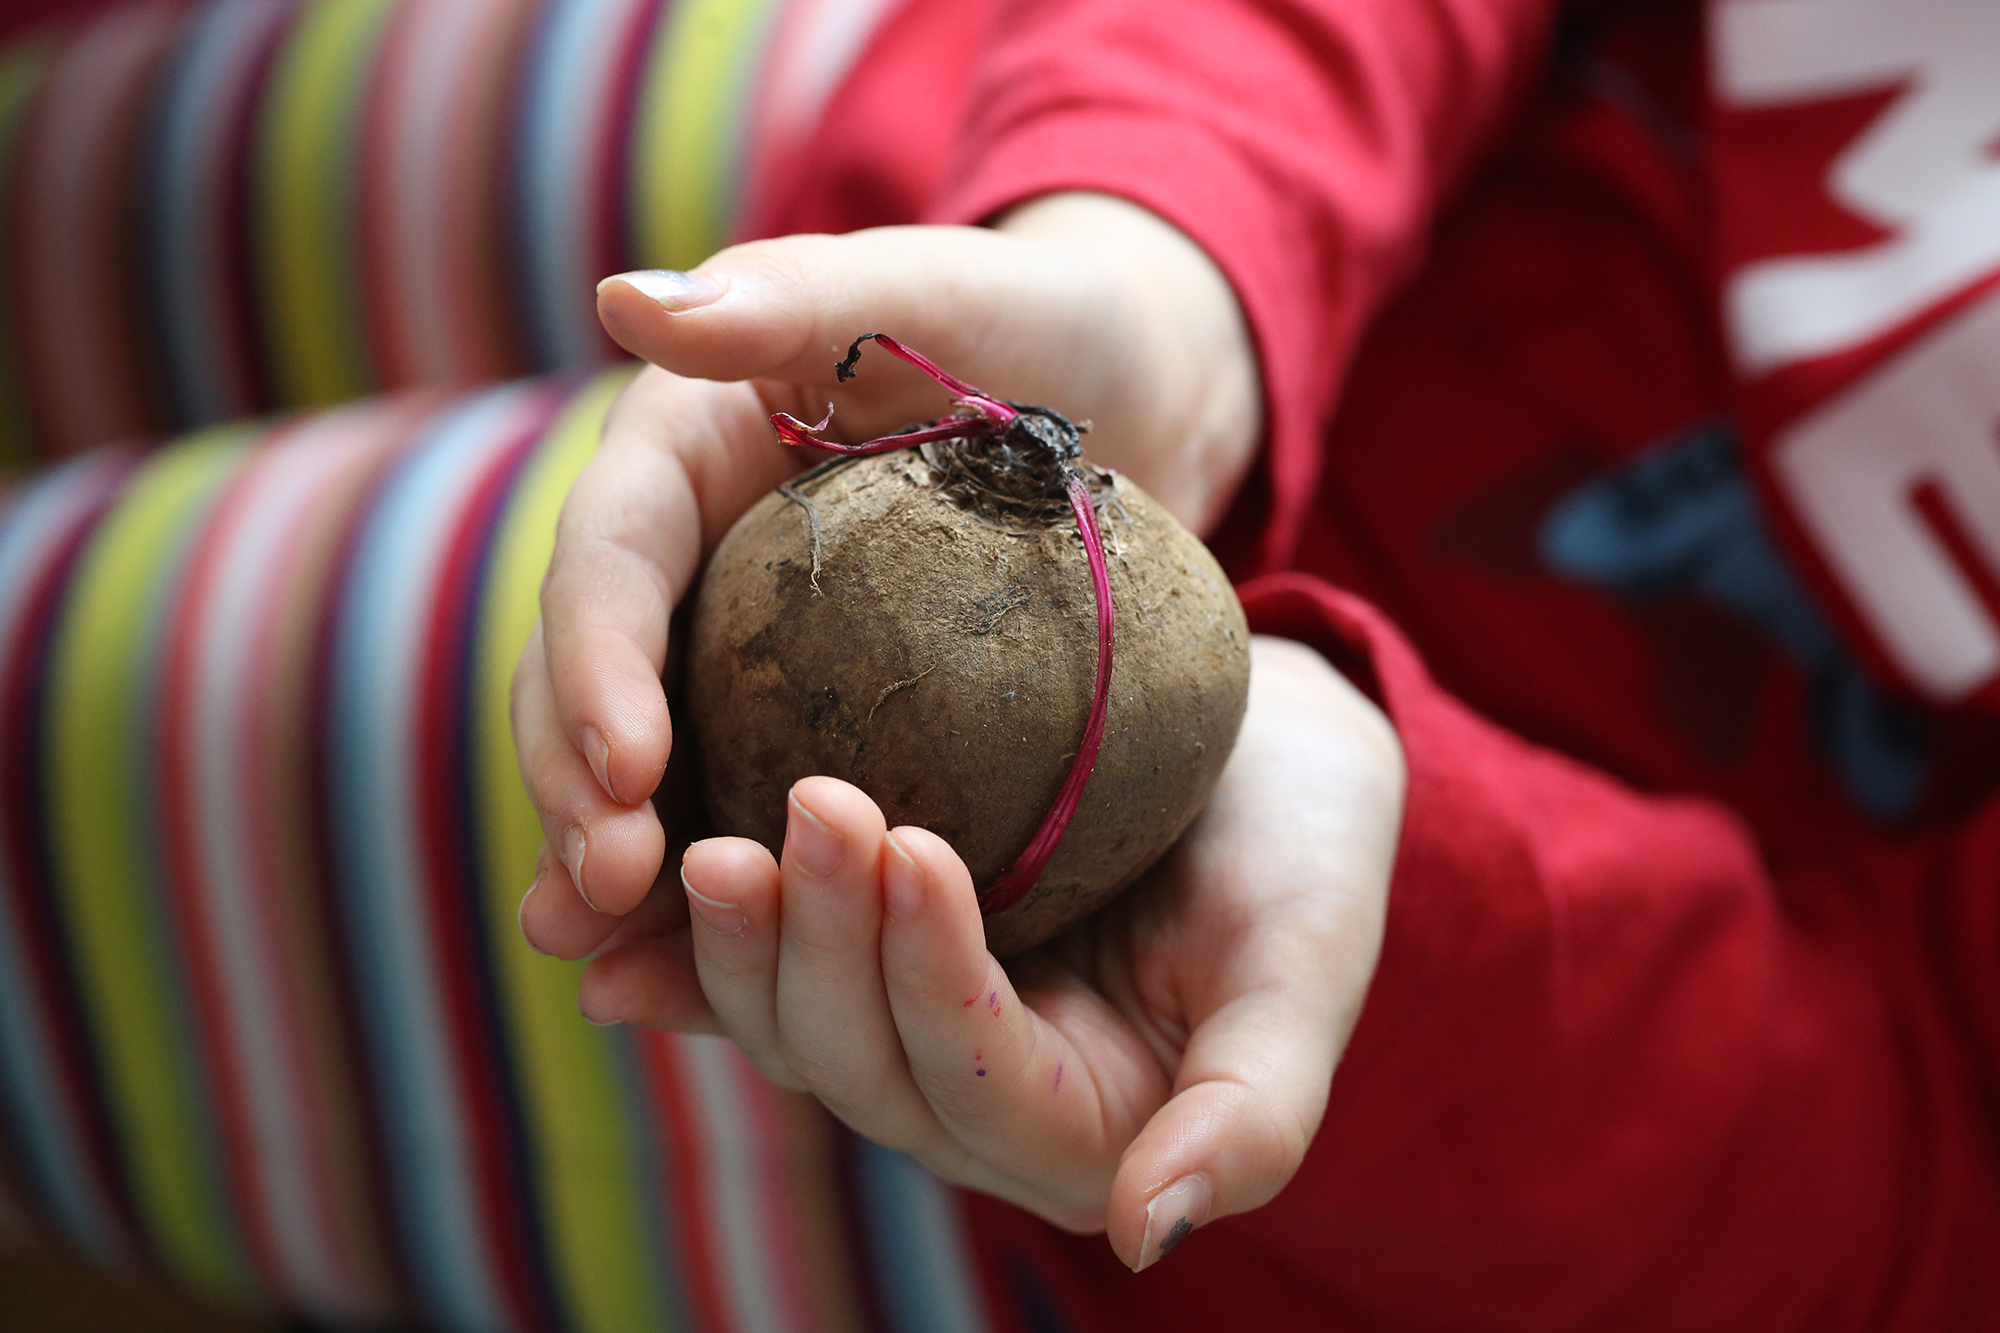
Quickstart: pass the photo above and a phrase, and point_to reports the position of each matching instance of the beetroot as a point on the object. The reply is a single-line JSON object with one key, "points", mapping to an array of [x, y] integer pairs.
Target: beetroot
{"points": [[992, 638]]}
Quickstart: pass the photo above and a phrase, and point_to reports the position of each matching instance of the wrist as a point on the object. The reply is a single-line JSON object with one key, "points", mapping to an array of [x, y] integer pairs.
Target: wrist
{"points": [[1197, 402]]}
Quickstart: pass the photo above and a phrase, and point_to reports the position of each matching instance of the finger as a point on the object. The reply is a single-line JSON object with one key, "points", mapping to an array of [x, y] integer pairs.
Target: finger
{"points": [[554, 918], [649, 983], [1272, 1001], [730, 886], [833, 1013], [678, 464], [1005, 1080], [611, 851], [664, 911], [1247, 1101], [787, 309]]}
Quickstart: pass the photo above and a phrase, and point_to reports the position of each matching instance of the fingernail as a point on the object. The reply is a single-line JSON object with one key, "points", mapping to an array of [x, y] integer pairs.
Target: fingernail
{"points": [[572, 855], [720, 917], [672, 289], [596, 1022], [815, 848], [521, 918], [902, 882], [597, 751], [1173, 1214]]}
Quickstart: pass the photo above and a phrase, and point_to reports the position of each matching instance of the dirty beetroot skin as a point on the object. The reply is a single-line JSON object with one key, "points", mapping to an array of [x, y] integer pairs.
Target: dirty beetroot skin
{"points": [[940, 650]]}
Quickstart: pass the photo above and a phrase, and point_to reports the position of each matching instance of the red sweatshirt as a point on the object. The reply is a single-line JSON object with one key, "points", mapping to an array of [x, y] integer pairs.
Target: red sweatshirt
{"points": [[1632, 442]]}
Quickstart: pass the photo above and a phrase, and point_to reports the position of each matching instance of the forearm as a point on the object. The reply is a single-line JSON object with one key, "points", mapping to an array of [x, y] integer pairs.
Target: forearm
{"points": [[1301, 145]]}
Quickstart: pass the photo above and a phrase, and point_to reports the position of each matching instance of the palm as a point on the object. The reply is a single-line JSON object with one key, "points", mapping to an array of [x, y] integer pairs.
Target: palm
{"points": [[1206, 1006], [1274, 895], [1253, 943]]}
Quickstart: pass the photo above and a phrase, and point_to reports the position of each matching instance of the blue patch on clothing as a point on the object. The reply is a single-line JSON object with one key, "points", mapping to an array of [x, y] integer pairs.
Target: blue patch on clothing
{"points": [[1682, 518]]}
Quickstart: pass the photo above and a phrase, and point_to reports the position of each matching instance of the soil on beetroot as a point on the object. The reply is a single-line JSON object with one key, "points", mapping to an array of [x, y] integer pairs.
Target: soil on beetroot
{"points": [[943, 658]]}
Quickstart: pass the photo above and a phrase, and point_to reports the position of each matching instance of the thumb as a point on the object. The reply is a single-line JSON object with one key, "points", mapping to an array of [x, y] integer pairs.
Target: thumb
{"points": [[1249, 1097], [1017, 317]]}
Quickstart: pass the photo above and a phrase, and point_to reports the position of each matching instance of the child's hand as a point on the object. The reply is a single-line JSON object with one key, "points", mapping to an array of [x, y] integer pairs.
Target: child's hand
{"points": [[1164, 1064], [1085, 303]]}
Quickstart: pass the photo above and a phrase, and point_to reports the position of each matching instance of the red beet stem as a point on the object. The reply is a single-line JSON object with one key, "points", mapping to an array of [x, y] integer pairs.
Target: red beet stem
{"points": [[989, 414], [990, 417], [1021, 876], [795, 432], [982, 402]]}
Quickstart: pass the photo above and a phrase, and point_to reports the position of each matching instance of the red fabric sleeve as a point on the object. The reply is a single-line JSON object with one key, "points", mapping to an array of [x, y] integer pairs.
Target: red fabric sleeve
{"points": [[1616, 1071], [884, 144], [1302, 143]]}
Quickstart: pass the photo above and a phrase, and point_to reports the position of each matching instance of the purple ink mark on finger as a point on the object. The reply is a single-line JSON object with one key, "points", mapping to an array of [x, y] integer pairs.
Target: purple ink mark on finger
{"points": [[1058, 1086], [980, 1072], [993, 1003]]}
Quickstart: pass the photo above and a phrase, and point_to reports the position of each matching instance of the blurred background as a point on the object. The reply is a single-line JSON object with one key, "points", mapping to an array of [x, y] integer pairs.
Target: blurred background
{"points": [[298, 356]]}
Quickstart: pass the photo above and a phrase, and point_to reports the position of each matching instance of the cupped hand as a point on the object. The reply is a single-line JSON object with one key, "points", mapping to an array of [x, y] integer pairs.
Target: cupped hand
{"points": [[1082, 303], [1164, 1064]]}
